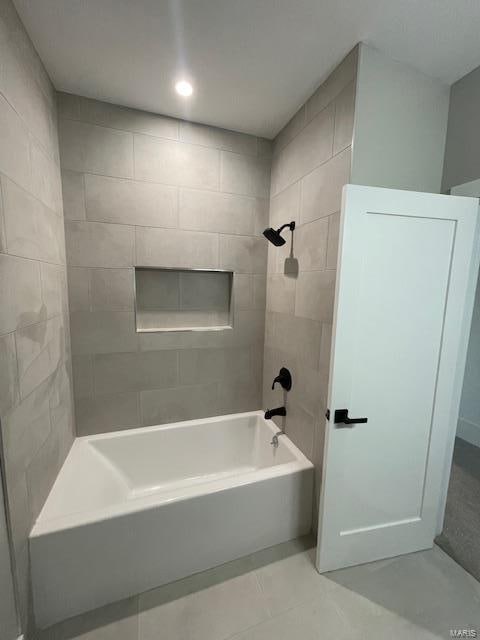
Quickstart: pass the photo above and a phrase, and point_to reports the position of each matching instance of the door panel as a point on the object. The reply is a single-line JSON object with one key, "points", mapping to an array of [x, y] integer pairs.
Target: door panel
{"points": [[404, 262], [413, 256]]}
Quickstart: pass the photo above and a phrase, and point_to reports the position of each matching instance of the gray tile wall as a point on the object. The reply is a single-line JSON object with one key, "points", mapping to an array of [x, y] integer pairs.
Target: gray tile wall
{"points": [[35, 365], [311, 163], [143, 189]]}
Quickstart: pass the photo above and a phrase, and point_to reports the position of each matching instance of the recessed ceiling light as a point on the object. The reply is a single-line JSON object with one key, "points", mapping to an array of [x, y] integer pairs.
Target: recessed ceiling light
{"points": [[184, 88]]}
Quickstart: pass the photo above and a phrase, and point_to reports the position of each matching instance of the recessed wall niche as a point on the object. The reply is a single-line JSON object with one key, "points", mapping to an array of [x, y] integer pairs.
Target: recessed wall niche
{"points": [[182, 299]]}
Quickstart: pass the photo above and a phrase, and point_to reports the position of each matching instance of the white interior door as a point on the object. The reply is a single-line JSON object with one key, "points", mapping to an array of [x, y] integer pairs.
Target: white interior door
{"points": [[405, 286]]}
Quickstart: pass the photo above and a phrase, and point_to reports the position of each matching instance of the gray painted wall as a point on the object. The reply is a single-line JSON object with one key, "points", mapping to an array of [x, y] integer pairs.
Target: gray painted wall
{"points": [[462, 165], [35, 372], [462, 151], [142, 189], [400, 125]]}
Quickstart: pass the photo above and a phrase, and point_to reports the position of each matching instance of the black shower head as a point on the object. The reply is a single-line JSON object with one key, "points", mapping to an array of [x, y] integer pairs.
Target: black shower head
{"points": [[274, 236]]}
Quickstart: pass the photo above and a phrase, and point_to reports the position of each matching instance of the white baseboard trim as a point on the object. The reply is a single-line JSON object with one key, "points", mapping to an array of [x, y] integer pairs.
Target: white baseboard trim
{"points": [[468, 431]]}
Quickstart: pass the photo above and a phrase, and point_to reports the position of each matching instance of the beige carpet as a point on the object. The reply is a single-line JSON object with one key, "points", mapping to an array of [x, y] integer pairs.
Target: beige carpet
{"points": [[460, 537]]}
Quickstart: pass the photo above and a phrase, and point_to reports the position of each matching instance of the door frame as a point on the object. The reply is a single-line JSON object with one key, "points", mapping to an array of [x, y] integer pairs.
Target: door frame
{"points": [[455, 375], [469, 189]]}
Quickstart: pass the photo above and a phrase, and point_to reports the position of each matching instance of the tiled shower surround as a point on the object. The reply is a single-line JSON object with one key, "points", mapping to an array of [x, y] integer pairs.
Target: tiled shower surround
{"points": [[35, 371], [147, 190], [311, 163]]}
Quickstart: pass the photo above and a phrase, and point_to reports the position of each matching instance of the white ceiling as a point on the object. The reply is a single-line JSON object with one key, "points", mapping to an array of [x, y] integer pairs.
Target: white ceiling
{"points": [[252, 62]]}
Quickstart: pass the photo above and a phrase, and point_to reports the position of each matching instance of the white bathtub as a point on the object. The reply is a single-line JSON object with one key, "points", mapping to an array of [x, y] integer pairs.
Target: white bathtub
{"points": [[136, 509]]}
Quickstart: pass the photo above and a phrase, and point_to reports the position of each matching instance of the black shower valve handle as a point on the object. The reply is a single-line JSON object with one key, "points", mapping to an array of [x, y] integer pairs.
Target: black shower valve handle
{"points": [[284, 378]]}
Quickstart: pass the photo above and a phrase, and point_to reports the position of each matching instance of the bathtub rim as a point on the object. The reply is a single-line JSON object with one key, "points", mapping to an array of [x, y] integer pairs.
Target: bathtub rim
{"points": [[154, 501]]}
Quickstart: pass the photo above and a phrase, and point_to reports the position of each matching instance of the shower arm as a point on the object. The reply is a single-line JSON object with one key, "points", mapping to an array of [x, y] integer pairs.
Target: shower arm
{"points": [[291, 226]]}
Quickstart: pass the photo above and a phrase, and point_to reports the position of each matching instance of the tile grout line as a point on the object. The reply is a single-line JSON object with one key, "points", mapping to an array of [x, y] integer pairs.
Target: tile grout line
{"points": [[317, 166], [177, 139], [28, 130], [272, 616], [166, 228], [165, 184]]}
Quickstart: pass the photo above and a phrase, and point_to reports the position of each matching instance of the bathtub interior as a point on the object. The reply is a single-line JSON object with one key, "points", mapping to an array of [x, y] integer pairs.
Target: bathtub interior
{"points": [[114, 469], [230, 446]]}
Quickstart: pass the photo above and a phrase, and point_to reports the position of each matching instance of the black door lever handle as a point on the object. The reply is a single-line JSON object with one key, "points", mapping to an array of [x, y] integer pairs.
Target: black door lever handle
{"points": [[341, 416]]}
